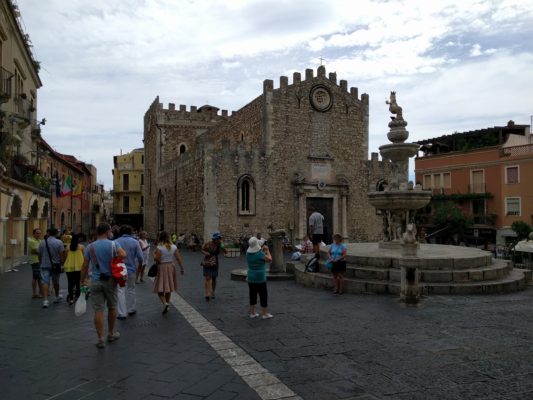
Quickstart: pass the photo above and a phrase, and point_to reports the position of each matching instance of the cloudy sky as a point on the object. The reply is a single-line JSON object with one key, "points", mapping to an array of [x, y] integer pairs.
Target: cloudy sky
{"points": [[456, 65]]}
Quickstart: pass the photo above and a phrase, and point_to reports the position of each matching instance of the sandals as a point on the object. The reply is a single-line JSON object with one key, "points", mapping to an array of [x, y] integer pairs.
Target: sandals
{"points": [[100, 344]]}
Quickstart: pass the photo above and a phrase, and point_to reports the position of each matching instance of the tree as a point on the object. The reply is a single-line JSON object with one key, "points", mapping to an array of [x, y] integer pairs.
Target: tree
{"points": [[522, 229], [451, 215]]}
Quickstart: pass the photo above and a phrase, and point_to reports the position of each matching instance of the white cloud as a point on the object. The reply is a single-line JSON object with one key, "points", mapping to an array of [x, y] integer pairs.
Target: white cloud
{"points": [[453, 63]]}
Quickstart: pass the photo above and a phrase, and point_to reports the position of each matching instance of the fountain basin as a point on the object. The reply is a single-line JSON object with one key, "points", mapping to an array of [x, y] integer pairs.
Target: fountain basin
{"points": [[399, 151]]}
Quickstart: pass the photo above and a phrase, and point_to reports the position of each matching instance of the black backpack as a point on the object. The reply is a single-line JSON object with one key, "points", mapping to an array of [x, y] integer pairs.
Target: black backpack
{"points": [[312, 265]]}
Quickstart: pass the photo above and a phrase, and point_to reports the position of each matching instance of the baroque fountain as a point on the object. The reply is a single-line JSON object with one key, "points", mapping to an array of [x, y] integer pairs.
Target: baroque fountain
{"points": [[399, 264]]}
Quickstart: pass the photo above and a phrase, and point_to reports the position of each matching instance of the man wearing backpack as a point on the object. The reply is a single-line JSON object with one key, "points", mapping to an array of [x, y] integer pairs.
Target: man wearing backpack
{"points": [[103, 287]]}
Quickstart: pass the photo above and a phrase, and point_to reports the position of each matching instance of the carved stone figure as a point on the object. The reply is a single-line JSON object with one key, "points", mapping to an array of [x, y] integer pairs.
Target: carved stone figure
{"points": [[409, 235], [394, 108]]}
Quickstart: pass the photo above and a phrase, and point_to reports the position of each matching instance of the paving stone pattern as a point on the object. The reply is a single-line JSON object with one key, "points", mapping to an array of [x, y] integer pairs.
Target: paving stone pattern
{"points": [[320, 345]]}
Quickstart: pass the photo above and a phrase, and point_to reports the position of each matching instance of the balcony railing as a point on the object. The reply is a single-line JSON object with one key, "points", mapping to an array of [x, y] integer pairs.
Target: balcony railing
{"points": [[479, 187], [24, 109], [522, 150], [485, 219], [5, 85]]}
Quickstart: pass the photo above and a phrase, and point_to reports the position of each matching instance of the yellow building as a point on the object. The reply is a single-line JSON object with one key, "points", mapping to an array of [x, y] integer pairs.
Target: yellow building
{"points": [[128, 182], [24, 193]]}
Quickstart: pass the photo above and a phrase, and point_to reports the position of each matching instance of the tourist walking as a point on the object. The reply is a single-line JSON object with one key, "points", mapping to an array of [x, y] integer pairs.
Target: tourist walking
{"points": [[257, 255], [316, 229], [33, 251], [166, 282], [145, 248], [337, 256], [51, 257], [99, 254], [73, 265], [126, 301], [212, 249]]}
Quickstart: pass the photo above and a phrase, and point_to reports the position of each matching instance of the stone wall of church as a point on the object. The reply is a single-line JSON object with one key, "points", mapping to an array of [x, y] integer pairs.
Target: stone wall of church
{"points": [[313, 131], [175, 177]]}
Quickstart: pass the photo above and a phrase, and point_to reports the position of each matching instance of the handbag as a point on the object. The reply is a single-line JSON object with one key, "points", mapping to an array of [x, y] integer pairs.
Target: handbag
{"points": [[152, 272], [209, 261], [118, 269]]}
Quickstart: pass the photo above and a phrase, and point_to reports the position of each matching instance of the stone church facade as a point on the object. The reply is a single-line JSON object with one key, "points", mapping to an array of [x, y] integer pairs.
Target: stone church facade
{"points": [[260, 168]]}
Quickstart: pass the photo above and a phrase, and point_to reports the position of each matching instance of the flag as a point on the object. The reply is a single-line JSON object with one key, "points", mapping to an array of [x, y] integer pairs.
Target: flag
{"points": [[66, 190], [58, 188], [78, 189]]}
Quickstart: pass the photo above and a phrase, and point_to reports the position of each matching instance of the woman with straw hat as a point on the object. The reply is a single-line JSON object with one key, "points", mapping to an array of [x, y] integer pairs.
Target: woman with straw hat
{"points": [[257, 256]]}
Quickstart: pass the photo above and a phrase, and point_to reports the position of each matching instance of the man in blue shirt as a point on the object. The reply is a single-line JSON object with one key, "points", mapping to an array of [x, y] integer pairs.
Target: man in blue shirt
{"points": [[51, 252], [99, 254], [126, 295]]}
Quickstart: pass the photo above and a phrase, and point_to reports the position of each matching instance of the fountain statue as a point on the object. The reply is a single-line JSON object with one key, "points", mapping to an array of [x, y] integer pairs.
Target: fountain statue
{"points": [[400, 198]]}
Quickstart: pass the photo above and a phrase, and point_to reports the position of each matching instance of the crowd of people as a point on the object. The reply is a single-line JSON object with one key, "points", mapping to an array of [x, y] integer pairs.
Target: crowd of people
{"points": [[92, 265]]}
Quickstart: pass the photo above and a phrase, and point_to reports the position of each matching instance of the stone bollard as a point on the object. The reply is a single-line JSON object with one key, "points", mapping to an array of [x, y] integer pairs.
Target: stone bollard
{"points": [[278, 264], [409, 286]]}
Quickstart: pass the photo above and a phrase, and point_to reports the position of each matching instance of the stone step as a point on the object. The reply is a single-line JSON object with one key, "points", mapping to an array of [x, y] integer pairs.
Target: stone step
{"points": [[498, 270], [514, 281]]}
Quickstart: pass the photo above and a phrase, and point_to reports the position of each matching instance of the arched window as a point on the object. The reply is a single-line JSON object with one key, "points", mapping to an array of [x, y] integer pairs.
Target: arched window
{"points": [[381, 185], [182, 148], [246, 195]]}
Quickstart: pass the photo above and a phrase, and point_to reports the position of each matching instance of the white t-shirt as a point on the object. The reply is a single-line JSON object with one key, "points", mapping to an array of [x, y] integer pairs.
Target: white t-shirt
{"points": [[316, 222]]}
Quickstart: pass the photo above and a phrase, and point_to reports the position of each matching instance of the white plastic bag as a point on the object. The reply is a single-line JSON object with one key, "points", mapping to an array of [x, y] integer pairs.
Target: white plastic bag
{"points": [[81, 306]]}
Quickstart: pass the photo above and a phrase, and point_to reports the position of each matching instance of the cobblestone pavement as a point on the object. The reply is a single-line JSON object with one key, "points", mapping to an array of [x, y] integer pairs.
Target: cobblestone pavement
{"points": [[318, 345]]}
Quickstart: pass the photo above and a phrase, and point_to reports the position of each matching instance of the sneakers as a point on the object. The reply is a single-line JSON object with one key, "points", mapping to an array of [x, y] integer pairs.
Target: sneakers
{"points": [[121, 317], [266, 316], [100, 344], [114, 336], [58, 299], [45, 304], [254, 315]]}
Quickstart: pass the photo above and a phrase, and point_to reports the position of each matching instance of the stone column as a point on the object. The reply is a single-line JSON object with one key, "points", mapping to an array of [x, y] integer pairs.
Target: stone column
{"points": [[277, 264], [344, 216], [410, 275], [302, 216]]}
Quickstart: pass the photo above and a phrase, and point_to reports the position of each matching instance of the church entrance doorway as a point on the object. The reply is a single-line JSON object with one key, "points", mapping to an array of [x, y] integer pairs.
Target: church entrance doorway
{"points": [[325, 207]]}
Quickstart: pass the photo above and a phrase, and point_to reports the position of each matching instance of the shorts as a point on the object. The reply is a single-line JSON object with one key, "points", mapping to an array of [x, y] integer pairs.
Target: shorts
{"points": [[45, 277], [317, 238], [339, 266], [102, 293], [36, 271]]}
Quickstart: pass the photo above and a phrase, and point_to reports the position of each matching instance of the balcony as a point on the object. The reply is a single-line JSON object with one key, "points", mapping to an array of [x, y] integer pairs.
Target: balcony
{"points": [[479, 187], [485, 219], [5, 85], [24, 109]]}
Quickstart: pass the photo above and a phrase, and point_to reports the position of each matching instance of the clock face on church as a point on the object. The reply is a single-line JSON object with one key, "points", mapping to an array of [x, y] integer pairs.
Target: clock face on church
{"points": [[321, 98]]}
